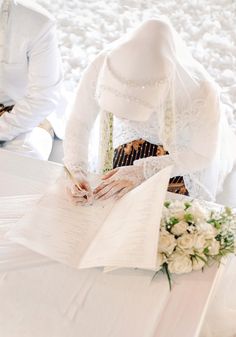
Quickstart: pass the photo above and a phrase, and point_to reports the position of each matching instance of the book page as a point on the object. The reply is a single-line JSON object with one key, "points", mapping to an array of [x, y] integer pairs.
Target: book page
{"points": [[58, 229], [12, 255], [130, 233], [12, 209], [122, 233]]}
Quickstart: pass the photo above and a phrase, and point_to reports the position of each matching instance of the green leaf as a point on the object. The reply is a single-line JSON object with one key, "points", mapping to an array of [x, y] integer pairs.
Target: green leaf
{"points": [[187, 205], [216, 223], [206, 251], [165, 266], [196, 256], [167, 204], [173, 221], [188, 217]]}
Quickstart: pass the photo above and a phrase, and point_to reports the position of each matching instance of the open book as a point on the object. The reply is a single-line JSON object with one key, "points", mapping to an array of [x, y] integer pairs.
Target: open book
{"points": [[121, 233]]}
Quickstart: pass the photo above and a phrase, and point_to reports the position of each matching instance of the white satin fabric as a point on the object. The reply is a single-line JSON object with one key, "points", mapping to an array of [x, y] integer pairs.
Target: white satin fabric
{"points": [[220, 318], [133, 83]]}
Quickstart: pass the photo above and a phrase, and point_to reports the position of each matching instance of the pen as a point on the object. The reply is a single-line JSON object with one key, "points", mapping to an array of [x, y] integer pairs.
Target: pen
{"points": [[74, 180]]}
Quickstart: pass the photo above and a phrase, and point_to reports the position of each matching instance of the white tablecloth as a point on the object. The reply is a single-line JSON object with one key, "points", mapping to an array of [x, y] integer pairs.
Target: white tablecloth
{"points": [[53, 300]]}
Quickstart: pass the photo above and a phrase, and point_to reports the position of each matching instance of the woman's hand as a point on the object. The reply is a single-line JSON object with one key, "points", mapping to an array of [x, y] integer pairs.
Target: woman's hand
{"points": [[78, 188], [118, 182]]}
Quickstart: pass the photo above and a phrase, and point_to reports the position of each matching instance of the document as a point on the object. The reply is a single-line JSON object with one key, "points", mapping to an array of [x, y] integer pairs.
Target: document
{"points": [[12, 255], [120, 234]]}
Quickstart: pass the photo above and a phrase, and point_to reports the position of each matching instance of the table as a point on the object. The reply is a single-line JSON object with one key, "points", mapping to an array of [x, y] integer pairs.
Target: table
{"points": [[53, 300]]}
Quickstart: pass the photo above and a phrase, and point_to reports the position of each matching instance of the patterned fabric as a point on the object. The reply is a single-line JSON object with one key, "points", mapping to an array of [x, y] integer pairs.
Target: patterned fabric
{"points": [[4, 109], [126, 154], [126, 130]]}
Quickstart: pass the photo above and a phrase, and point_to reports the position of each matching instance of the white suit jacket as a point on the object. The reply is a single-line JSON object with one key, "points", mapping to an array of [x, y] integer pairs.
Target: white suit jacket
{"points": [[30, 70]]}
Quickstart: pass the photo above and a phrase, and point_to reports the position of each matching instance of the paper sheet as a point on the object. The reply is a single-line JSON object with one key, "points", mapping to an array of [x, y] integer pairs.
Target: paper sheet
{"points": [[130, 233], [58, 229], [14, 256], [123, 233]]}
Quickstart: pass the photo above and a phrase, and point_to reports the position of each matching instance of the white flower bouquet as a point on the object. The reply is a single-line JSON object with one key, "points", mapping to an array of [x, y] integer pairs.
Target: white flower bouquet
{"points": [[193, 236]]}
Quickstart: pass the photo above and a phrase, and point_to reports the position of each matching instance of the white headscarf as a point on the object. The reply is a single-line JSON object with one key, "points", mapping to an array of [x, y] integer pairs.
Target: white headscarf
{"points": [[150, 70]]}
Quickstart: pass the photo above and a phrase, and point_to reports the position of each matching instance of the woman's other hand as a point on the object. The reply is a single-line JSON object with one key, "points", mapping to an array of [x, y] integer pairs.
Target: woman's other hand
{"points": [[118, 182]]}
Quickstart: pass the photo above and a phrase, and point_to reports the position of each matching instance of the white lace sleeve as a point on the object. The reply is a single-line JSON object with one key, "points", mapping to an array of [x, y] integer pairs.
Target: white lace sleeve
{"points": [[82, 117], [152, 165], [192, 180]]}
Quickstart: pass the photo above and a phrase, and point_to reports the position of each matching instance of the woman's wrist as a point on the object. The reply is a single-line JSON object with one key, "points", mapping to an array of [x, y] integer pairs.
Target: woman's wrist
{"points": [[76, 169]]}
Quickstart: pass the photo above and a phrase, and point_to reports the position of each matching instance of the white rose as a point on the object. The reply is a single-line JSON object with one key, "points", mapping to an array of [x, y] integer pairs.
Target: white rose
{"points": [[186, 241], [198, 263], [210, 236], [175, 209], [199, 212], [180, 263], [200, 242], [213, 247], [209, 231], [179, 228], [177, 204], [177, 213], [167, 243]]}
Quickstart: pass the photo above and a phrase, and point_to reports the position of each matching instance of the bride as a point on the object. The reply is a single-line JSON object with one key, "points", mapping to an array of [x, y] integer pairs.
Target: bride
{"points": [[159, 107]]}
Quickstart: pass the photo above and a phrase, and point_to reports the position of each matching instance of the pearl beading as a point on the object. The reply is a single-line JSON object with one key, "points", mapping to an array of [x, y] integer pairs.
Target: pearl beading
{"points": [[129, 98], [135, 84]]}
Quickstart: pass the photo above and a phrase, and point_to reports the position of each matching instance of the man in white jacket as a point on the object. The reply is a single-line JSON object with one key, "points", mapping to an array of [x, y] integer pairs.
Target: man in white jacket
{"points": [[31, 104]]}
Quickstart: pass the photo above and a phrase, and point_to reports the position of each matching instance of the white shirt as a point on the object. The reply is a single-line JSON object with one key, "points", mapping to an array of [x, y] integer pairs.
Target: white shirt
{"points": [[30, 70], [4, 99]]}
